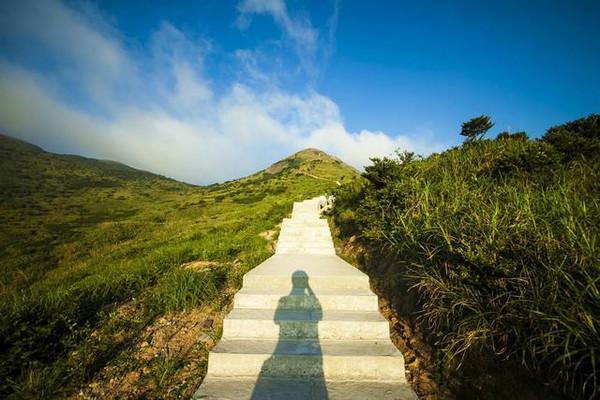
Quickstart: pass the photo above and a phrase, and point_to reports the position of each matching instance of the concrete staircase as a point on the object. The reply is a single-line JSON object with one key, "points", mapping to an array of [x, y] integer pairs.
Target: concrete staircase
{"points": [[305, 325]]}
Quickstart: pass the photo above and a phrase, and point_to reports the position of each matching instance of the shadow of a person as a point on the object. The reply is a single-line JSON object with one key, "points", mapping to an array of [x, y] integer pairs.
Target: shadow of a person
{"points": [[296, 336]]}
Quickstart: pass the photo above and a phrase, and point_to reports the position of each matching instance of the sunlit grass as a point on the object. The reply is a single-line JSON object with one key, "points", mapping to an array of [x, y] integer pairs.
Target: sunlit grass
{"points": [[84, 236], [501, 240]]}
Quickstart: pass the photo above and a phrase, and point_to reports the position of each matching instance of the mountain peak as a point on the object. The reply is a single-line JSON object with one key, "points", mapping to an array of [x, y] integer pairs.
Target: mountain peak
{"points": [[308, 159], [311, 152]]}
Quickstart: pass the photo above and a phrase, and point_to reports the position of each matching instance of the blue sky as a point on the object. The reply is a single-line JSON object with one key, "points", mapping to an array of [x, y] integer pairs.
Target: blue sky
{"points": [[210, 90]]}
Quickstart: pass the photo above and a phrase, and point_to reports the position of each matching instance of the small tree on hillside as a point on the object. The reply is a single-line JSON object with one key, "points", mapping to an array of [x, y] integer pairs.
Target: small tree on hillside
{"points": [[475, 128]]}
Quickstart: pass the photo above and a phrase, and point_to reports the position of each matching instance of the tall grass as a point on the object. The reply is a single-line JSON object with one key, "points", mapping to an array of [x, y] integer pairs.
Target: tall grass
{"points": [[501, 240], [181, 289]]}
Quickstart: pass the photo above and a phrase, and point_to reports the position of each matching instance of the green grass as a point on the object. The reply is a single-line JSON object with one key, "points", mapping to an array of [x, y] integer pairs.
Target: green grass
{"points": [[81, 237], [499, 239]]}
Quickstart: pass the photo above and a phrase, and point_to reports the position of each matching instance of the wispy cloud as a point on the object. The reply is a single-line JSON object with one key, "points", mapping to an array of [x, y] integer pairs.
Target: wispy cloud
{"points": [[299, 29], [312, 46], [157, 108]]}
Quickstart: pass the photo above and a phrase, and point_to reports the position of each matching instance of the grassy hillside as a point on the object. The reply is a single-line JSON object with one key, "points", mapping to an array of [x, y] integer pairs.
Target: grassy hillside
{"points": [[493, 249], [113, 280]]}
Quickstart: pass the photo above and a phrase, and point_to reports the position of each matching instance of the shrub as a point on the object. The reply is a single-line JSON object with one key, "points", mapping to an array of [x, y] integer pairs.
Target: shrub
{"points": [[580, 138]]}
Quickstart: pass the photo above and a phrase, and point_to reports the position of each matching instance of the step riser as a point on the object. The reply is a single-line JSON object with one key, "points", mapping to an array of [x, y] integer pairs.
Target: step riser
{"points": [[304, 227], [314, 226], [283, 283], [304, 243], [305, 239], [214, 388], [309, 242], [308, 220], [356, 303], [302, 221], [305, 235], [327, 250], [301, 366], [342, 330], [305, 251], [306, 224], [307, 247]]}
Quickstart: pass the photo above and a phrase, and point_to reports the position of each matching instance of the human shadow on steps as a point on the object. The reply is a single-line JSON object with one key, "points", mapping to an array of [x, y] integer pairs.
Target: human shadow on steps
{"points": [[299, 336]]}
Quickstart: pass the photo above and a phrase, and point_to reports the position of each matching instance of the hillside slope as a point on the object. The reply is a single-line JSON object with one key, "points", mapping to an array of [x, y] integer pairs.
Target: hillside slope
{"points": [[488, 256], [100, 261]]}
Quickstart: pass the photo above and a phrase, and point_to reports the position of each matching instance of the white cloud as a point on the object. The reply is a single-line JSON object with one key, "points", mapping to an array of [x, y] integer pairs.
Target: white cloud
{"points": [[357, 147], [189, 89], [298, 29], [160, 112], [94, 59]]}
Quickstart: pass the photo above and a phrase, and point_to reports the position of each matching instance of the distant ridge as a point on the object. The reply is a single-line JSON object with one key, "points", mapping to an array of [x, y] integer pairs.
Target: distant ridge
{"points": [[11, 143], [301, 162]]}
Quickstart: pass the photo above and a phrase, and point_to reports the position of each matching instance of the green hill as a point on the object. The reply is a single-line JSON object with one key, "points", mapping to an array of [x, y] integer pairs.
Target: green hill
{"points": [[96, 255], [489, 255]]}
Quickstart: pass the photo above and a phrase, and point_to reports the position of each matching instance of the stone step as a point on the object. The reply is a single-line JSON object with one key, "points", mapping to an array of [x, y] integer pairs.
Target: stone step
{"points": [[325, 324], [329, 299], [312, 244], [302, 220], [302, 234], [287, 242], [316, 282], [305, 226], [316, 229], [305, 237], [331, 359], [215, 388], [324, 272], [304, 250], [307, 246], [299, 233], [306, 243], [308, 222], [311, 209], [307, 249], [305, 210]]}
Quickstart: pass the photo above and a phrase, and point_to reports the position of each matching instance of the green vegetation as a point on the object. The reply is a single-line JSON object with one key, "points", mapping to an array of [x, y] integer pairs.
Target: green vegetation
{"points": [[497, 244], [92, 254], [475, 128]]}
